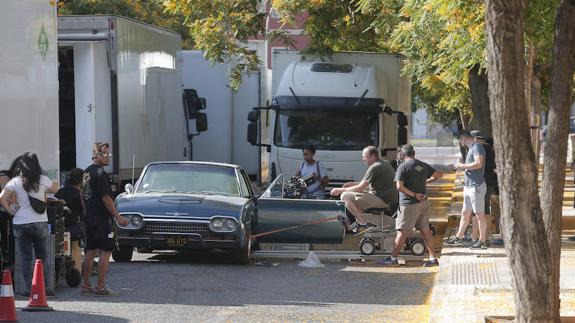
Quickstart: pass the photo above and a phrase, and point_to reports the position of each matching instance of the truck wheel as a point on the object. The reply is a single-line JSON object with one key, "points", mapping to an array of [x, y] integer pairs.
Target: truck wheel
{"points": [[122, 253], [417, 247], [367, 247], [73, 277], [243, 254]]}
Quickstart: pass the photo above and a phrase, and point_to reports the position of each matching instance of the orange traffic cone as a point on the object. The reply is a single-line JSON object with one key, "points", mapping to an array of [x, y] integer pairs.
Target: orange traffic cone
{"points": [[37, 300], [7, 306]]}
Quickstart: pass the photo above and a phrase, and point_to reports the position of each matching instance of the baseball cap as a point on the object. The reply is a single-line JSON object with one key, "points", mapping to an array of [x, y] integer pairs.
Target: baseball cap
{"points": [[477, 134]]}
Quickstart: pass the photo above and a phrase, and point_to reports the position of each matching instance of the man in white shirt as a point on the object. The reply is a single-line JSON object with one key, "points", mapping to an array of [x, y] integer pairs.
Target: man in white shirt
{"points": [[313, 168]]}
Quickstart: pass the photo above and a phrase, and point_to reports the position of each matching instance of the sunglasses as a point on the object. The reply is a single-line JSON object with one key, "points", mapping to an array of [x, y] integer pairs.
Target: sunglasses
{"points": [[106, 155]]}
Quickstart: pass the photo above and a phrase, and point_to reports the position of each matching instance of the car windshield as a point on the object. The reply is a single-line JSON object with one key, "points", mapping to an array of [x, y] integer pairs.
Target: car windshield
{"points": [[189, 178], [333, 130]]}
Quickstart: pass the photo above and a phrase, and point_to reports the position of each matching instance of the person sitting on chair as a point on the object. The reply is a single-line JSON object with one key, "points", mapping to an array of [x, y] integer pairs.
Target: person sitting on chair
{"points": [[376, 189]]}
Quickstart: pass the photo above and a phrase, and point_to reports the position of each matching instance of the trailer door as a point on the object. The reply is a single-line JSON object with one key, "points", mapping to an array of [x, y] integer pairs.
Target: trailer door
{"points": [[85, 101]]}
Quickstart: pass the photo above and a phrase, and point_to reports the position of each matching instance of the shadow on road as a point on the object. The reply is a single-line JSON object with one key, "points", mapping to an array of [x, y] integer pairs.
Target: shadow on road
{"points": [[207, 279], [66, 316]]}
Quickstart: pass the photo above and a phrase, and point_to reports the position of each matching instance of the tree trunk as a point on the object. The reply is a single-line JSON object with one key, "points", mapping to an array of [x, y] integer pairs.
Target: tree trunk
{"points": [[557, 132], [526, 244], [478, 86]]}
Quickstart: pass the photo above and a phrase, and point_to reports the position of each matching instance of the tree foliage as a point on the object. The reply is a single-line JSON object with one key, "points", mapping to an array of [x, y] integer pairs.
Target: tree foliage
{"points": [[221, 28], [441, 39]]}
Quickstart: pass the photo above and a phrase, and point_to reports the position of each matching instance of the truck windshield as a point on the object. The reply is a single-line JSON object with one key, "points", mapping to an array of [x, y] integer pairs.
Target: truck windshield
{"points": [[326, 130]]}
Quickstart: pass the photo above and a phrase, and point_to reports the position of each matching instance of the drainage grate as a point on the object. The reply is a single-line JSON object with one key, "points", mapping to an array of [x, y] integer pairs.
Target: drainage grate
{"points": [[478, 272]]}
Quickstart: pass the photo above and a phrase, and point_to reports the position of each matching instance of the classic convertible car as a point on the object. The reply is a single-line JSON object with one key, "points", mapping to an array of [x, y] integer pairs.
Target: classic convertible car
{"points": [[203, 205]]}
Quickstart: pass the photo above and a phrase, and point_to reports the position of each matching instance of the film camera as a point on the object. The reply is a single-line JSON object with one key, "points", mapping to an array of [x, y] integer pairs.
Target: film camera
{"points": [[296, 186]]}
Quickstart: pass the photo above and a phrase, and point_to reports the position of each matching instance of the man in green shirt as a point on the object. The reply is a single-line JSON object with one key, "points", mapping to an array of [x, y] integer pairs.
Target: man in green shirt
{"points": [[376, 189]]}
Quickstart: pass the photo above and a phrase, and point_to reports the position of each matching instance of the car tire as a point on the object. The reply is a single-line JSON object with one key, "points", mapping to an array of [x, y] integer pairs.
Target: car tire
{"points": [[243, 254], [122, 253]]}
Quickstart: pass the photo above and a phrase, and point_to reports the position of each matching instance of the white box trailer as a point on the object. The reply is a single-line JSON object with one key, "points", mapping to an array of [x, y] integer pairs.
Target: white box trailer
{"points": [[226, 140], [29, 83], [340, 105], [120, 82]]}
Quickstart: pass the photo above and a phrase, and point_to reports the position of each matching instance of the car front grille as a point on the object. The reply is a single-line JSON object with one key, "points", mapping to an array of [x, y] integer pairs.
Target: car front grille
{"points": [[202, 229]]}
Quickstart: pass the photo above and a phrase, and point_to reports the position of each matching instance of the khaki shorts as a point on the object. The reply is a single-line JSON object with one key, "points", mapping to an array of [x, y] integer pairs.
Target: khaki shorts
{"points": [[364, 200], [474, 198], [412, 216]]}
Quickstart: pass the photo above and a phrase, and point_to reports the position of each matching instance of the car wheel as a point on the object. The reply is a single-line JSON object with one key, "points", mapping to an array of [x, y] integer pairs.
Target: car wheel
{"points": [[417, 247], [243, 254], [122, 253]]}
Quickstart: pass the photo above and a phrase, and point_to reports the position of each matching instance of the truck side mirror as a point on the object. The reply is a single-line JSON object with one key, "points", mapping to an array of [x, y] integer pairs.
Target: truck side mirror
{"points": [[402, 119], [201, 122], [193, 103], [253, 133], [253, 116], [401, 136]]}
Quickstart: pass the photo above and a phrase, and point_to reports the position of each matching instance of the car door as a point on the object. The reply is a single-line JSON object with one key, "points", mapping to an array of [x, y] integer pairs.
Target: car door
{"points": [[285, 220]]}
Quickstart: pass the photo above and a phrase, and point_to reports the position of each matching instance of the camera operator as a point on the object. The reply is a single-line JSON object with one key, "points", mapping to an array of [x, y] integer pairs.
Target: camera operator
{"points": [[312, 169]]}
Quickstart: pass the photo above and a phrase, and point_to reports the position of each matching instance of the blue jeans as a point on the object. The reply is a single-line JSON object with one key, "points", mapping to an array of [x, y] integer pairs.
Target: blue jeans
{"points": [[30, 238]]}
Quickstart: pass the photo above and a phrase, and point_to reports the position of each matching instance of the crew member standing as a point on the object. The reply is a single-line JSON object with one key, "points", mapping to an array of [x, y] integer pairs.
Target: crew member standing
{"points": [[411, 179], [100, 211]]}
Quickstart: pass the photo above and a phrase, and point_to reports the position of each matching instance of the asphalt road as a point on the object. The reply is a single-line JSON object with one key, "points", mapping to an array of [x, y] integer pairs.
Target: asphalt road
{"points": [[208, 288]]}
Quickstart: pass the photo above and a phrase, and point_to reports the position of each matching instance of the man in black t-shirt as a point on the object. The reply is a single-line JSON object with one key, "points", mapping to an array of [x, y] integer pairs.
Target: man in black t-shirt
{"points": [[411, 178], [100, 211]]}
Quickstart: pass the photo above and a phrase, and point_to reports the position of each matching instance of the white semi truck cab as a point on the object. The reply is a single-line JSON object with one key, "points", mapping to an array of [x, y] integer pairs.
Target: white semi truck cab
{"points": [[340, 107]]}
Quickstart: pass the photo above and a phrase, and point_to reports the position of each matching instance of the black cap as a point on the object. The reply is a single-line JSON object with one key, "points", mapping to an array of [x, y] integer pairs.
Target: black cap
{"points": [[477, 134]]}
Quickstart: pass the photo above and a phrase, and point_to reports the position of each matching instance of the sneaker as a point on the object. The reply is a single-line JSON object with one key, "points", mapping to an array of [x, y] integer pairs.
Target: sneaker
{"points": [[387, 261], [104, 291], [455, 241], [353, 226], [479, 245], [86, 289], [469, 243], [364, 228], [431, 263]]}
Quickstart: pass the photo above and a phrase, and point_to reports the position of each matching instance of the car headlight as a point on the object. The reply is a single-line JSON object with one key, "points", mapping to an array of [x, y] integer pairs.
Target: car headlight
{"points": [[223, 224], [230, 225], [217, 224], [137, 221]]}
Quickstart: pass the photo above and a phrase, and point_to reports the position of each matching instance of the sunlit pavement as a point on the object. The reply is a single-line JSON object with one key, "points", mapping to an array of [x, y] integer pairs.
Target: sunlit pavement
{"points": [[206, 287]]}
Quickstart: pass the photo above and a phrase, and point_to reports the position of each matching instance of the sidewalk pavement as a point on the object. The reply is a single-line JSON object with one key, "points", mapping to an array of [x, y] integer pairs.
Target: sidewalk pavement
{"points": [[472, 284]]}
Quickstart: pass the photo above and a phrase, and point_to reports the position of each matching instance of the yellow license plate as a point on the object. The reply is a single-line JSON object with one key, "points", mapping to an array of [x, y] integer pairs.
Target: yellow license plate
{"points": [[176, 241]]}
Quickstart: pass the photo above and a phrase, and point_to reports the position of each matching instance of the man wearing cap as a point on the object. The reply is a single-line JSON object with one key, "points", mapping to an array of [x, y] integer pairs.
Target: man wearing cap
{"points": [[473, 191], [410, 179], [490, 177]]}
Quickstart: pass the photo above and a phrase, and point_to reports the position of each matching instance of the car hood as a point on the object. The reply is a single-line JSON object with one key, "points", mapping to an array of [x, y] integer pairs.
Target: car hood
{"points": [[193, 205]]}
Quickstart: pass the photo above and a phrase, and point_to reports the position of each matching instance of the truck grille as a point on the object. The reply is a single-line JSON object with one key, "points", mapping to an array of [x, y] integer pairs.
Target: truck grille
{"points": [[202, 229]]}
